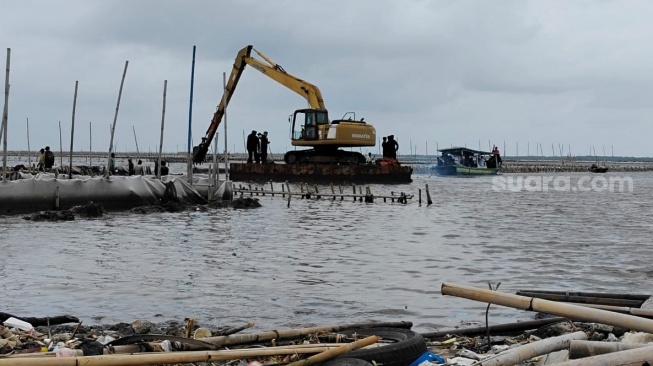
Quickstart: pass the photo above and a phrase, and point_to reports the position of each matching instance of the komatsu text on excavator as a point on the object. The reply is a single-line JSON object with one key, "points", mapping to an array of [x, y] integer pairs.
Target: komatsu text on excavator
{"points": [[310, 127]]}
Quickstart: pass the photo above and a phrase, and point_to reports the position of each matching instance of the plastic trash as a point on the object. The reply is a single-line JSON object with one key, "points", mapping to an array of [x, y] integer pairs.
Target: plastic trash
{"points": [[17, 323], [427, 357], [68, 352]]}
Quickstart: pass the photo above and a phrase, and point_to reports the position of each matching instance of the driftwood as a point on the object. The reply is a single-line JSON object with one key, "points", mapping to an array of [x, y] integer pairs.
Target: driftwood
{"points": [[583, 299], [327, 355], [495, 329], [528, 351], [550, 307], [633, 357], [581, 349], [37, 322]]}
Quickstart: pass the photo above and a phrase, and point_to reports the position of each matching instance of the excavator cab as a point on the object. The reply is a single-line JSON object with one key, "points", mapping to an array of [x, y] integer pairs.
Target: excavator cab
{"points": [[309, 124]]}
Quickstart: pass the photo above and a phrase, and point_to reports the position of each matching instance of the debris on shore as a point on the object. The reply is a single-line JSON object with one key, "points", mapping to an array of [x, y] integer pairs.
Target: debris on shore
{"points": [[579, 335]]}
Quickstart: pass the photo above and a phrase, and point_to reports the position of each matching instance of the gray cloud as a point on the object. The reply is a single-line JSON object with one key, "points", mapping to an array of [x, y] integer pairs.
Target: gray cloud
{"points": [[445, 72]]}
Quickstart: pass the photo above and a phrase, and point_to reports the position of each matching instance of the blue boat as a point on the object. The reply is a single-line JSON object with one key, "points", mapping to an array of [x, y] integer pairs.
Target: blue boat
{"points": [[468, 162]]}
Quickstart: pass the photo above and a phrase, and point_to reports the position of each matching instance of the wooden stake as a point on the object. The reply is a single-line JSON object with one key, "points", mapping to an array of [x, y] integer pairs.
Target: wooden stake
{"points": [[289, 195], [115, 117], [72, 133], [428, 196], [163, 117]]}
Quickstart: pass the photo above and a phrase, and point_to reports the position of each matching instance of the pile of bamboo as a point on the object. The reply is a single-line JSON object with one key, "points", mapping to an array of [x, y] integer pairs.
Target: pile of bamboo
{"points": [[572, 348], [211, 350]]}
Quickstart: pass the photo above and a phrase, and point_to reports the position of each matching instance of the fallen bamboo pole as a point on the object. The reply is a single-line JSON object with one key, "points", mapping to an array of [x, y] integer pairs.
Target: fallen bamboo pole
{"points": [[581, 349], [641, 297], [239, 339], [632, 357], [327, 355], [495, 329], [157, 358], [643, 313], [549, 307], [583, 299], [530, 350]]}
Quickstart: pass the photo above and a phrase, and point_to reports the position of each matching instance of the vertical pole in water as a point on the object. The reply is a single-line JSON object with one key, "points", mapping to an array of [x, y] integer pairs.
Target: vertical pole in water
{"points": [[224, 103], [189, 168], [289, 195], [72, 133], [115, 117], [419, 192], [3, 127], [216, 175], [163, 118], [60, 147], [428, 196], [136, 141], [272, 188], [90, 146], [29, 151]]}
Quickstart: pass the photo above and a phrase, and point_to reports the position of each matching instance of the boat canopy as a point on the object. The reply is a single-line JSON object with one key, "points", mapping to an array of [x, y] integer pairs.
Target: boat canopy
{"points": [[458, 151]]}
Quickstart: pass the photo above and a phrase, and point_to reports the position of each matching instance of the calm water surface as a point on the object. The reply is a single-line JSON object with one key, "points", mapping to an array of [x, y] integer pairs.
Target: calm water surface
{"points": [[323, 262]]}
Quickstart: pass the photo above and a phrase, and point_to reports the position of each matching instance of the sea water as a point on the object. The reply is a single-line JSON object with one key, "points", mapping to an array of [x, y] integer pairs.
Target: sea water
{"points": [[326, 262]]}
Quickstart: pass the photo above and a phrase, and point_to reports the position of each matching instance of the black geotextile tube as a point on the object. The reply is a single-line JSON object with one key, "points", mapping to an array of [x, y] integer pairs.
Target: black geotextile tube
{"points": [[407, 346]]}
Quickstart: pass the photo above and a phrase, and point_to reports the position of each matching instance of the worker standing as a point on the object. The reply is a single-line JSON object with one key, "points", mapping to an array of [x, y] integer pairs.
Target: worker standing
{"points": [[264, 147], [252, 146]]}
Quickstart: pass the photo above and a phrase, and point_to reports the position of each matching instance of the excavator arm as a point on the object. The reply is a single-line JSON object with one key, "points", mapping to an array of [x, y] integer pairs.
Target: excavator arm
{"points": [[271, 69]]}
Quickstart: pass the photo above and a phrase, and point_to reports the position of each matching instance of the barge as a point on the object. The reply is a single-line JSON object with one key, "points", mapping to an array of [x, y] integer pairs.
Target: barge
{"points": [[320, 173]]}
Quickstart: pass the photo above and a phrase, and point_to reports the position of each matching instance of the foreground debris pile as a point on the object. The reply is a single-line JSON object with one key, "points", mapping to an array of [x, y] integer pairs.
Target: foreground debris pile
{"points": [[581, 335]]}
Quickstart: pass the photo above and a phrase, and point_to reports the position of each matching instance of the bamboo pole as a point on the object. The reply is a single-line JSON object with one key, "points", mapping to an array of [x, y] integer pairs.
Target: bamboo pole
{"points": [[643, 313], [90, 146], [428, 196], [163, 117], [641, 297], [158, 358], [495, 329], [5, 113], [550, 307], [29, 151], [581, 349], [582, 299], [530, 350], [61, 146], [189, 166], [327, 355], [72, 132], [633, 357], [115, 117]]}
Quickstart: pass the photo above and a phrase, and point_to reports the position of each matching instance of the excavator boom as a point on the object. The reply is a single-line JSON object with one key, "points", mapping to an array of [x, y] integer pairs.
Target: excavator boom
{"points": [[307, 90]]}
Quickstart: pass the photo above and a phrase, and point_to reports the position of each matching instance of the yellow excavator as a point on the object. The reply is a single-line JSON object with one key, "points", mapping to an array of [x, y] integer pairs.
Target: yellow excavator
{"points": [[310, 126]]}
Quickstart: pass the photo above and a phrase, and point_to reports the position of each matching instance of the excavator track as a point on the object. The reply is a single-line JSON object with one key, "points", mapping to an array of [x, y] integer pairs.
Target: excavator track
{"points": [[313, 156]]}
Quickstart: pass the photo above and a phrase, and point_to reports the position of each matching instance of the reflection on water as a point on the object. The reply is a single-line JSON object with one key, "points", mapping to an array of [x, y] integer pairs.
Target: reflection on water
{"points": [[321, 262]]}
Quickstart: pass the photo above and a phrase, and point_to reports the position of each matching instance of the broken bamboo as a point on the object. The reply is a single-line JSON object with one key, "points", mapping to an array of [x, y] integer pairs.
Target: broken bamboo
{"points": [[327, 355], [549, 307], [582, 349], [530, 350], [632, 357]]}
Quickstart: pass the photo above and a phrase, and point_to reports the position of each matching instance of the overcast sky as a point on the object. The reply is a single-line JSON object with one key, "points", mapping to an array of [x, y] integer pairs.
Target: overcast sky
{"points": [[434, 73]]}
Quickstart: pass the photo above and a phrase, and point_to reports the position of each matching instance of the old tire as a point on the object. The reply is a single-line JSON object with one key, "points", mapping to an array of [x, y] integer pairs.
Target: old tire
{"points": [[407, 346]]}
